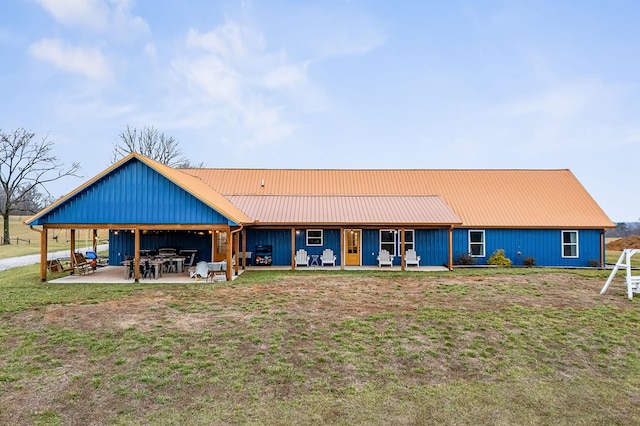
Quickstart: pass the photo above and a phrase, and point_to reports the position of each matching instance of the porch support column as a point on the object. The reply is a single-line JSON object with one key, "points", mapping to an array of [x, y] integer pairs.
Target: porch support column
{"points": [[236, 244], [402, 253], [72, 249], [293, 248], [95, 241], [214, 238], [244, 249], [136, 255], [451, 248], [229, 255], [43, 254], [342, 250]]}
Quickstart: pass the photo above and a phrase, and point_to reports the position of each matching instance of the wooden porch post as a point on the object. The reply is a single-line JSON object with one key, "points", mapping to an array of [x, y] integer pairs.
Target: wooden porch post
{"points": [[136, 255], [342, 249], [214, 238], [229, 255], [72, 249], [43, 254], [402, 249], [236, 244], [451, 248], [244, 249], [293, 248], [95, 241]]}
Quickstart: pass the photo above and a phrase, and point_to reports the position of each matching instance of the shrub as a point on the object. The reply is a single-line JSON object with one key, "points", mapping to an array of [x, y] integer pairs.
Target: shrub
{"points": [[465, 259], [529, 261], [499, 259]]}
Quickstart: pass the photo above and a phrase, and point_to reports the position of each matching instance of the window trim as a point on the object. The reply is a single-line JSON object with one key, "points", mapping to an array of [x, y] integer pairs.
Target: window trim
{"points": [[321, 238], [576, 244], [483, 243], [394, 232]]}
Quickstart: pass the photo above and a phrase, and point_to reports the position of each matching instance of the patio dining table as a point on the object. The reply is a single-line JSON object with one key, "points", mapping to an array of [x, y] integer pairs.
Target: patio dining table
{"points": [[156, 265]]}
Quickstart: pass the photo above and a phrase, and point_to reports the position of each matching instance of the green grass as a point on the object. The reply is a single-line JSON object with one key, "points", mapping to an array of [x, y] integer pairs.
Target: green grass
{"points": [[500, 346]]}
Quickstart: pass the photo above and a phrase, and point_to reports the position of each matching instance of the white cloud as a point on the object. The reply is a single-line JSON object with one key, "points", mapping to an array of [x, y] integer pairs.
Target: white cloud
{"points": [[110, 17], [233, 81], [87, 61], [85, 13]]}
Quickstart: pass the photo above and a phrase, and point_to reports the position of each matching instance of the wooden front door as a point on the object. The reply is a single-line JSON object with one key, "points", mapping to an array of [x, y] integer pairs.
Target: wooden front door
{"points": [[352, 242]]}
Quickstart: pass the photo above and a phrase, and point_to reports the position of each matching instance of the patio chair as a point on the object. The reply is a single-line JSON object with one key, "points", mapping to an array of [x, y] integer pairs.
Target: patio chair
{"points": [[411, 258], [200, 270], [302, 258], [147, 270], [328, 258], [384, 258]]}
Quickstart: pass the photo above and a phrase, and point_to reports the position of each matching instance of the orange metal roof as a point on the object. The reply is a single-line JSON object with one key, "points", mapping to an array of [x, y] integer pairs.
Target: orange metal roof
{"points": [[480, 198], [303, 209]]}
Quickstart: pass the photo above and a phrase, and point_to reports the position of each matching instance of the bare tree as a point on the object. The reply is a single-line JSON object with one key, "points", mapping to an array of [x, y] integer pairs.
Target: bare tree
{"points": [[152, 144], [25, 166]]}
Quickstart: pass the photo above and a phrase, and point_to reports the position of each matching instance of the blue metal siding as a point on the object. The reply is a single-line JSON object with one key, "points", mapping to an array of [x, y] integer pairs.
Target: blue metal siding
{"points": [[278, 239], [133, 193], [123, 244], [331, 240], [370, 247], [432, 245], [545, 245]]}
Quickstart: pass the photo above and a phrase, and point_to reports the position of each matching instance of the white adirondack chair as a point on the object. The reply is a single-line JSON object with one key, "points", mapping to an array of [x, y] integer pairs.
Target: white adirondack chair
{"points": [[302, 258], [411, 258], [384, 258], [328, 258]]}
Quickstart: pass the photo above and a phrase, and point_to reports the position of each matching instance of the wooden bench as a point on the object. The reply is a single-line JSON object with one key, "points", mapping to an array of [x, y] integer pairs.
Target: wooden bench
{"points": [[56, 266]]}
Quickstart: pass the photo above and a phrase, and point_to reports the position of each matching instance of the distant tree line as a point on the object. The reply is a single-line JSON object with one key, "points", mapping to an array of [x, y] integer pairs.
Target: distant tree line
{"points": [[624, 229]]}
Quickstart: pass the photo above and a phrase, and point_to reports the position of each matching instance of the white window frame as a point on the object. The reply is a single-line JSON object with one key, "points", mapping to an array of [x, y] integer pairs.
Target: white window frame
{"points": [[393, 243], [565, 244], [483, 243], [321, 238]]}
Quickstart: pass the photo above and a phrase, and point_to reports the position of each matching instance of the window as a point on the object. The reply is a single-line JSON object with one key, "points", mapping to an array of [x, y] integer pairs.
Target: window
{"points": [[569, 243], [409, 239], [314, 237], [221, 244], [476, 243], [388, 240]]}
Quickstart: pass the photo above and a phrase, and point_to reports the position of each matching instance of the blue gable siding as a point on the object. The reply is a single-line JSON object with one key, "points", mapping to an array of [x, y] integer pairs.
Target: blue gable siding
{"points": [[133, 194], [545, 245]]}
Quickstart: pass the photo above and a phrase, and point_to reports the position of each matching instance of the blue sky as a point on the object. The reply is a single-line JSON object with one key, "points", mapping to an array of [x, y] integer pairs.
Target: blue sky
{"points": [[336, 84]]}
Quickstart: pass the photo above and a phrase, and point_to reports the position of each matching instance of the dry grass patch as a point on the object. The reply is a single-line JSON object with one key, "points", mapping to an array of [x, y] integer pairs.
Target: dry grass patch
{"points": [[343, 348]]}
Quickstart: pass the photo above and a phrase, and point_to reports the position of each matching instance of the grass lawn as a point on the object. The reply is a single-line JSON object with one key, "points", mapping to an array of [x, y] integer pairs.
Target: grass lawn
{"points": [[499, 347]]}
